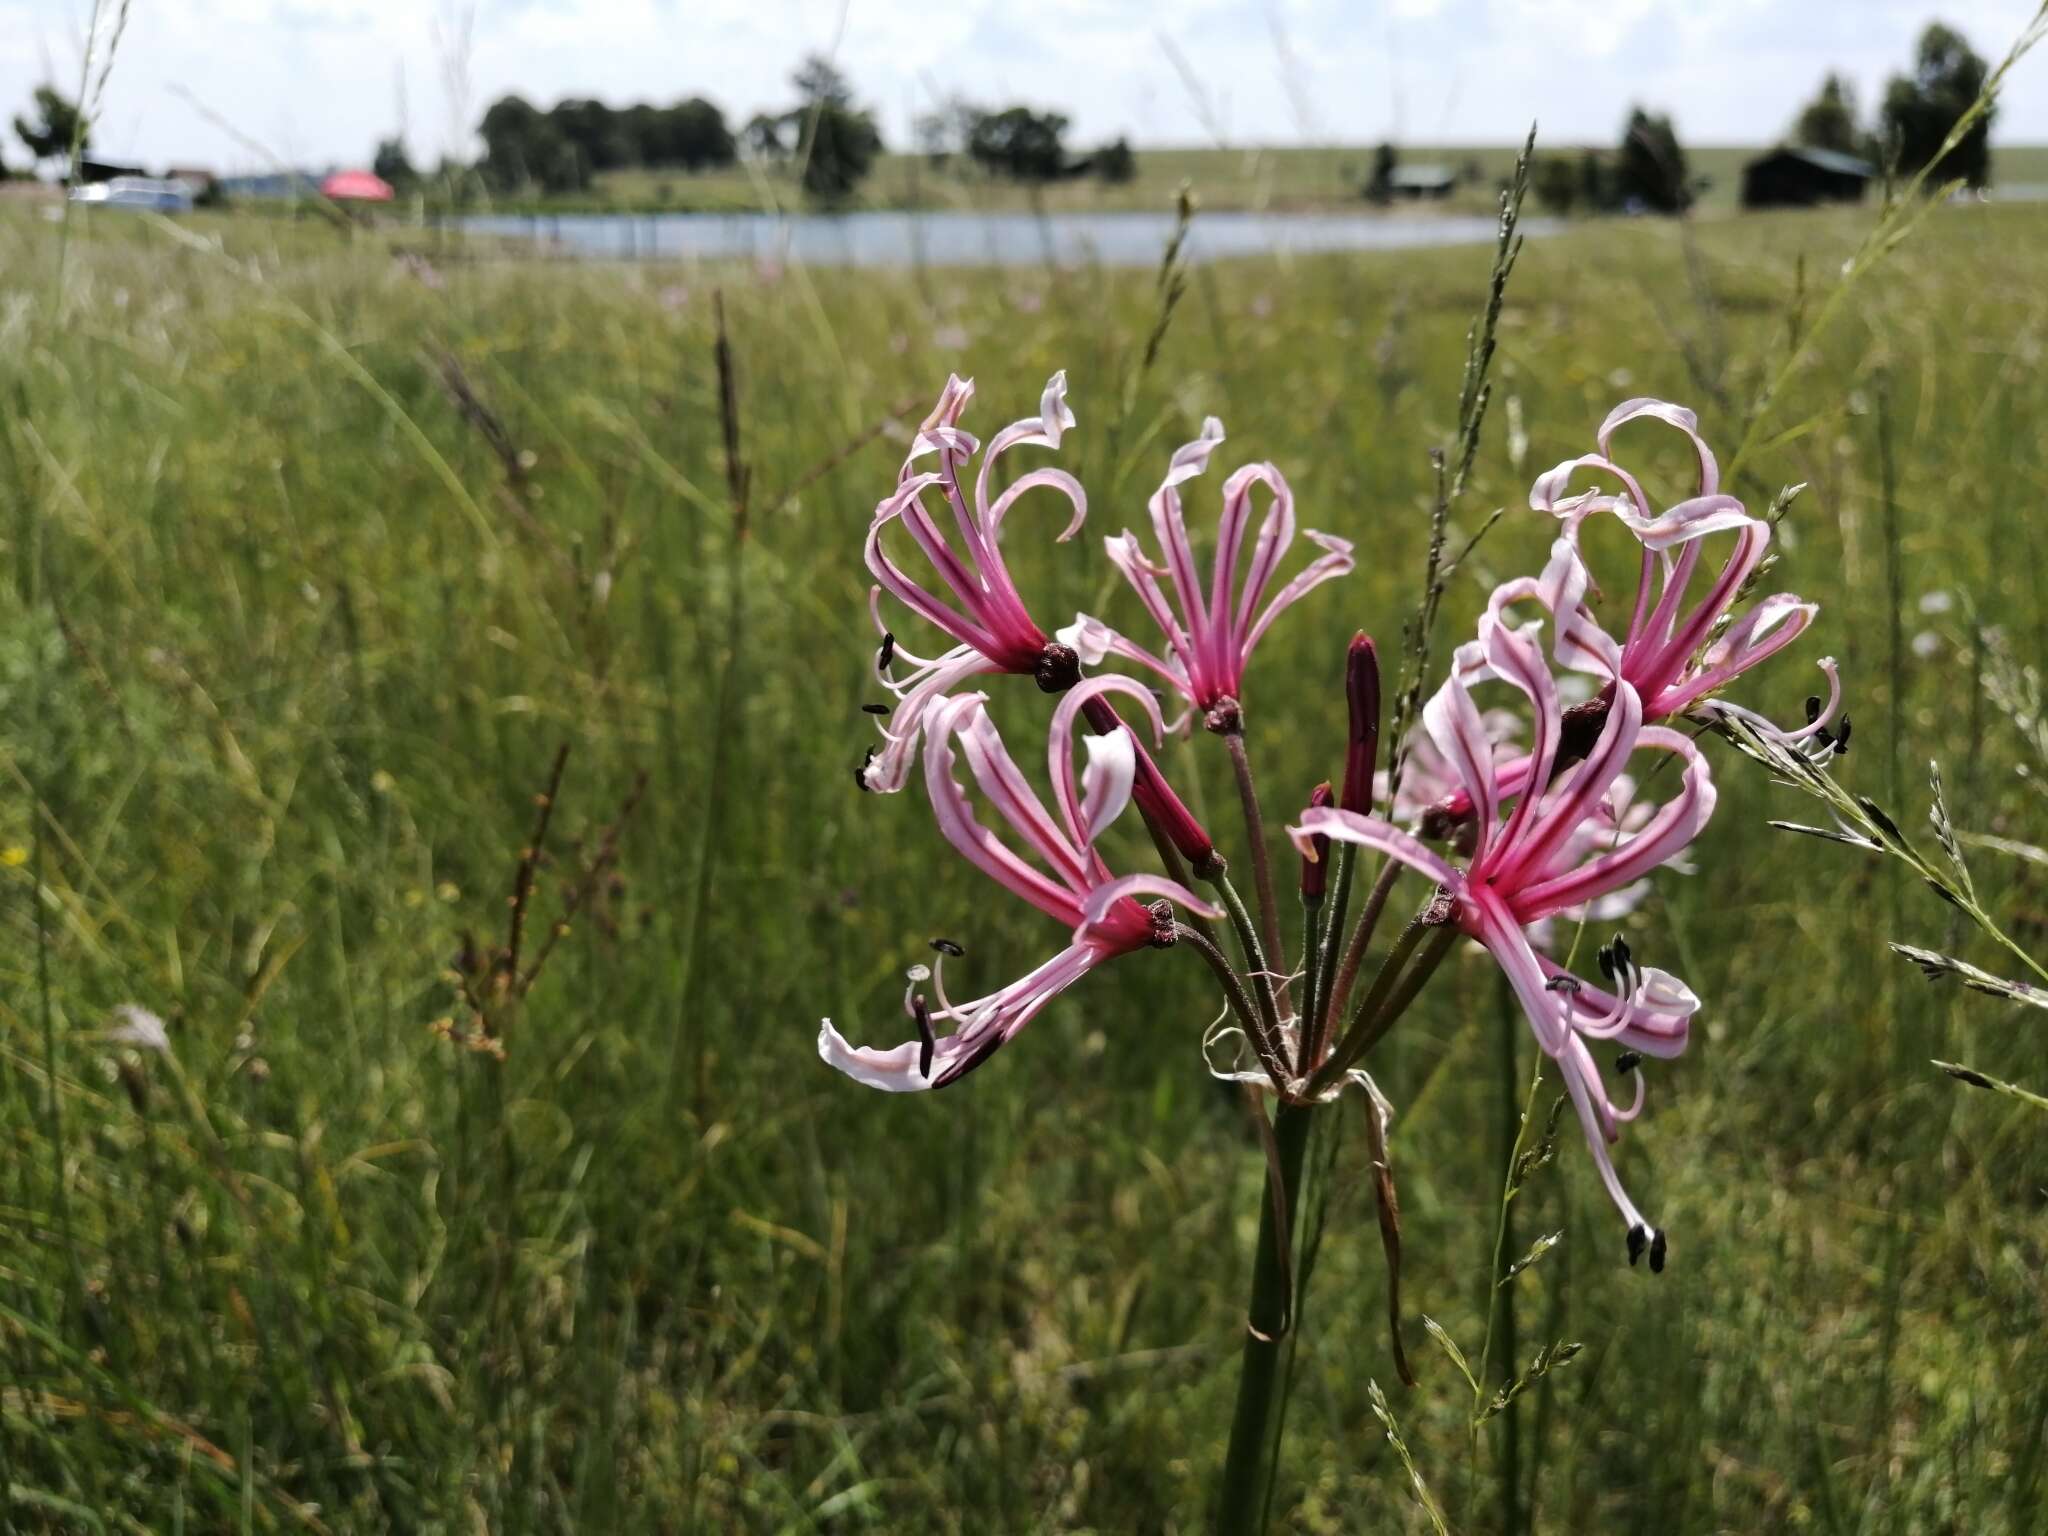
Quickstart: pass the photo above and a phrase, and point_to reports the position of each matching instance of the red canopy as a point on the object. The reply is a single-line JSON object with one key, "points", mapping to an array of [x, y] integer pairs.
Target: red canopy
{"points": [[356, 186]]}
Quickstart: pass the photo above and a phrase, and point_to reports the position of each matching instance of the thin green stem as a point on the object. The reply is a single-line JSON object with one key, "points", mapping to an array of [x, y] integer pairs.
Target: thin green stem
{"points": [[1233, 993], [1361, 936], [1311, 979], [1317, 1029], [1500, 1235], [1254, 953], [1262, 864], [1248, 1464], [1393, 989]]}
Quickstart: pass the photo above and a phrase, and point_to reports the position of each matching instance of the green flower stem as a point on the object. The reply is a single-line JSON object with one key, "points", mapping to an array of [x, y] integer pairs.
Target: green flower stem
{"points": [[1254, 1447], [1262, 864]]}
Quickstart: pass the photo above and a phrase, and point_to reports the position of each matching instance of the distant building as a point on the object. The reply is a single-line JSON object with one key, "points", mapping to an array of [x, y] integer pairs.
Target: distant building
{"points": [[1793, 176], [93, 169], [1416, 182], [198, 178]]}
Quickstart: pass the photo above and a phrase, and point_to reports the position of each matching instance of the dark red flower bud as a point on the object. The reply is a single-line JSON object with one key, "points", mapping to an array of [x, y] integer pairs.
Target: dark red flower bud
{"points": [[1362, 754], [1315, 872]]}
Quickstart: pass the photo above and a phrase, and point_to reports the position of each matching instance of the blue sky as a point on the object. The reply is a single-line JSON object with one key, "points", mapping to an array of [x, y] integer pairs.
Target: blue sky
{"points": [[316, 82]]}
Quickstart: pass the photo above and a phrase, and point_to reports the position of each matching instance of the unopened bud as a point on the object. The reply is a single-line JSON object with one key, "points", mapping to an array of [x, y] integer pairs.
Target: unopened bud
{"points": [[1362, 752], [1315, 866]]}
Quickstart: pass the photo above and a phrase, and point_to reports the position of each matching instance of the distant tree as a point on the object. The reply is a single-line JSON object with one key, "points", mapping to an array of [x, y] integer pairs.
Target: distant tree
{"points": [[763, 136], [700, 131], [1596, 181], [942, 132], [820, 83], [1829, 120], [598, 133], [1651, 169], [56, 129], [1379, 185], [1115, 163], [393, 164], [837, 142], [1019, 143], [517, 138], [1556, 183], [1921, 109]]}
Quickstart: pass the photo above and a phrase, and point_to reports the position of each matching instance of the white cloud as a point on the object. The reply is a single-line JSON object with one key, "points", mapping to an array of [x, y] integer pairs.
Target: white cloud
{"points": [[319, 81]]}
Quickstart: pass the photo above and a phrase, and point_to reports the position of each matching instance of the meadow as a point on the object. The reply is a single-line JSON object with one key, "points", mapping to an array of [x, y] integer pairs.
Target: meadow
{"points": [[317, 556]]}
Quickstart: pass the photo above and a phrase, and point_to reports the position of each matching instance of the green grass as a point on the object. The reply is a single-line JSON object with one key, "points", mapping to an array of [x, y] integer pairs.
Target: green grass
{"points": [[1290, 179], [285, 655]]}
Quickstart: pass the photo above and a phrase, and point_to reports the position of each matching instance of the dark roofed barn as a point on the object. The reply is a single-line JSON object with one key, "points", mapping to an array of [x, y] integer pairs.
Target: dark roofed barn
{"points": [[1793, 176]]}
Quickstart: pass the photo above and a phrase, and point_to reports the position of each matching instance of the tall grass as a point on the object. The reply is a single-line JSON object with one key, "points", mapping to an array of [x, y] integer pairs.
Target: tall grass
{"points": [[289, 646]]}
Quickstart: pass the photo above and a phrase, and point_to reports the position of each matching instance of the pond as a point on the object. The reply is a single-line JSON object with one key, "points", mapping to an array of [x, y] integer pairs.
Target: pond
{"points": [[979, 239]]}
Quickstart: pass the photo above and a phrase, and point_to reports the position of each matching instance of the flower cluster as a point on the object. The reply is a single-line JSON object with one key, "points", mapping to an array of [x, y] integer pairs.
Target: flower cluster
{"points": [[1519, 819]]}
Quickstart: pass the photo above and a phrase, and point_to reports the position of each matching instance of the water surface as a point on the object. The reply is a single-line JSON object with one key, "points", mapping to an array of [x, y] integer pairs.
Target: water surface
{"points": [[980, 239]]}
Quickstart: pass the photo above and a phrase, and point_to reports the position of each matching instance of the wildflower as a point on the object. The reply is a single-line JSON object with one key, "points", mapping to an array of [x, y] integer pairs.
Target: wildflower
{"points": [[988, 621], [1074, 886], [1537, 863], [1210, 641], [1673, 661]]}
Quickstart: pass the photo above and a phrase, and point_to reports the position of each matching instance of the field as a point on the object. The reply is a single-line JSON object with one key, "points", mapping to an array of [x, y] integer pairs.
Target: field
{"points": [[315, 558], [1292, 179]]}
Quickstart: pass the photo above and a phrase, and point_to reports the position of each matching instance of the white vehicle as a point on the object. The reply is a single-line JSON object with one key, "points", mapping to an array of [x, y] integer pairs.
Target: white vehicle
{"points": [[146, 192]]}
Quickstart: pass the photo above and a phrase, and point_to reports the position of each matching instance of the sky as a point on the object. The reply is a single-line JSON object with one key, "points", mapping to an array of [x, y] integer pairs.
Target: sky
{"points": [[248, 84]]}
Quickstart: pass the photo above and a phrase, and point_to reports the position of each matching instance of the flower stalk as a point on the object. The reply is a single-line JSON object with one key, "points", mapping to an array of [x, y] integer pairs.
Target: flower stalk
{"points": [[1249, 1463]]}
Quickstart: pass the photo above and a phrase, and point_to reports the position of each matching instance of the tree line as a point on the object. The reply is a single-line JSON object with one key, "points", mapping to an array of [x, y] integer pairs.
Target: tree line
{"points": [[825, 135], [1919, 109]]}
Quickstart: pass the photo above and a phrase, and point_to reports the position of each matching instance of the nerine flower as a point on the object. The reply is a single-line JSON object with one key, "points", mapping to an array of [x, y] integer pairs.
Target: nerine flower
{"points": [[1532, 860], [1430, 780], [1209, 641], [987, 620], [1071, 883], [1672, 656]]}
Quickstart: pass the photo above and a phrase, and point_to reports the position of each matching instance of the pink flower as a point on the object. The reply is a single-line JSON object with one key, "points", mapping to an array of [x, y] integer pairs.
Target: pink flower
{"points": [[1071, 883], [987, 620], [1673, 659], [1533, 861], [1209, 642]]}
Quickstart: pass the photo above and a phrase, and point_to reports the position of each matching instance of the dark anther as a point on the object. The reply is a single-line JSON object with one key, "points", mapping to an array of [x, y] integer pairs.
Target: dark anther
{"points": [[1580, 727], [1165, 931], [1058, 669], [1657, 1254], [876, 709], [888, 652], [1562, 984], [1636, 1239], [1607, 962], [1437, 824], [1812, 708], [926, 1040], [1627, 1062], [948, 947], [1824, 736], [1842, 736], [860, 774], [1622, 959]]}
